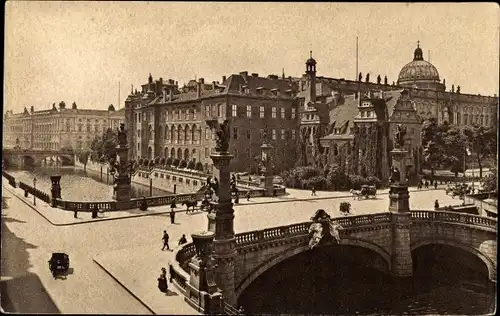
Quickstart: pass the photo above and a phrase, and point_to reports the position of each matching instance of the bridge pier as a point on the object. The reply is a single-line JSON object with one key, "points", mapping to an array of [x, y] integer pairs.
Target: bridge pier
{"points": [[399, 206]]}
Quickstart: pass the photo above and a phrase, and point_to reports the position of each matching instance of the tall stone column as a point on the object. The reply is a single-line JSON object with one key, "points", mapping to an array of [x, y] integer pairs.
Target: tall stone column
{"points": [[122, 185], [224, 241], [401, 260]]}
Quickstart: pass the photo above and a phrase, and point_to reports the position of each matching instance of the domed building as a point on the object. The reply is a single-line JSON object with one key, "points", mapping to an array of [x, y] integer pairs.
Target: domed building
{"points": [[420, 74]]}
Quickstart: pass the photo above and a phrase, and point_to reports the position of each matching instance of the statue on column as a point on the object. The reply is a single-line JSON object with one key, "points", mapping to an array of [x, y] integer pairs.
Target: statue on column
{"points": [[399, 136], [222, 134], [395, 175], [122, 135]]}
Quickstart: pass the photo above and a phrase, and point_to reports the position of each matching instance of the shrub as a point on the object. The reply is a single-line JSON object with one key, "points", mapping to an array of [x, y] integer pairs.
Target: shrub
{"points": [[151, 163], [190, 165], [162, 161], [182, 164], [176, 161], [318, 182], [345, 208], [157, 160], [169, 161], [141, 160], [145, 162], [199, 166], [337, 180]]}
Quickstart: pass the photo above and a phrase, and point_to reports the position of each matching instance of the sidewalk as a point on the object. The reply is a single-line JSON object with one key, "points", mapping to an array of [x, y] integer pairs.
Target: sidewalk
{"points": [[137, 270]]}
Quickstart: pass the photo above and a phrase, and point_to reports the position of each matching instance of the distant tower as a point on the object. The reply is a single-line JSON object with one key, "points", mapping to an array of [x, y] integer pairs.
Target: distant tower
{"points": [[150, 78], [311, 76]]}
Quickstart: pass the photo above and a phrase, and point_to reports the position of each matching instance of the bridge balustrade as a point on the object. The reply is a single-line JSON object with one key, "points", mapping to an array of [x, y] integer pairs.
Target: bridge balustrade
{"points": [[38, 193], [454, 217]]}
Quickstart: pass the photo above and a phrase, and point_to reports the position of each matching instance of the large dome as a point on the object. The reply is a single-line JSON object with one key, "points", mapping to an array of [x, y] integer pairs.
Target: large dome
{"points": [[419, 73]]}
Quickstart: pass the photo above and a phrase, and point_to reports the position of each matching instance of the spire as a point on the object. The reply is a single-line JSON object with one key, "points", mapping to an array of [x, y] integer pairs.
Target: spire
{"points": [[310, 54], [418, 54], [283, 74]]}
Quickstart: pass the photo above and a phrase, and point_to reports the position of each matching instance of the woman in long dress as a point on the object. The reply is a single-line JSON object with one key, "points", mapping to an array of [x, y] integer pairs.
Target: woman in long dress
{"points": [[162, 281]]}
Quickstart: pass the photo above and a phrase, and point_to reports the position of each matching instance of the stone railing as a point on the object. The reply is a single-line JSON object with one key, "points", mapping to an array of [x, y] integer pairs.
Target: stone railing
{"points": [[36, 192], [179, 274], [453, 217], [10, 178]]}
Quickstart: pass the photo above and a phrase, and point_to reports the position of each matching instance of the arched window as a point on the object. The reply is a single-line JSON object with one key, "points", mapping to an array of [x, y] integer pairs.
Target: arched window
{"points": [[186, 154], [193, 134], [172, 153], [335, 150], [187, 133], [172, 135], [167, 133], [193, 155], [165, 152], [179, 153]]}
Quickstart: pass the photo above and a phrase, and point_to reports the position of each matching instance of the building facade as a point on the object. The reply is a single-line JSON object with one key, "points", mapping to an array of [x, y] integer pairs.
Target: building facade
{"points": [[302, 116], [58, 128], [171, 122]]}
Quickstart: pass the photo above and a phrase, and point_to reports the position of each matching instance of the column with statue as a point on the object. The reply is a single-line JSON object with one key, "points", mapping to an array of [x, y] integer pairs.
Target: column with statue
{"points": [[221, 221], [399, 206], [120, 167], [265, 167]]}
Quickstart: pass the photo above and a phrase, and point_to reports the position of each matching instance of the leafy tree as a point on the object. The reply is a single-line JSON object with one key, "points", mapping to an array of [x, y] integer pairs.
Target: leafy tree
{"points": [[105, 145], [482, 142], [199, 166], [169, 161], [176, 162], [432, 141], [190, 164], [453, 147], [379, 79], [490, 182], [162, 161], [157, 160], [182, 164]]}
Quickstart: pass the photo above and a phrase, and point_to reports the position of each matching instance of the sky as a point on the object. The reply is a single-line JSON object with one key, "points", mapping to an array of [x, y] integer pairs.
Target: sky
{"points": [[80, 51]]}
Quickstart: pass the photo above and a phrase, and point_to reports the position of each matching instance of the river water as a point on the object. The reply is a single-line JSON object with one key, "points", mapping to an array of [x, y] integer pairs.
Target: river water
{"points": [[76, 185]]}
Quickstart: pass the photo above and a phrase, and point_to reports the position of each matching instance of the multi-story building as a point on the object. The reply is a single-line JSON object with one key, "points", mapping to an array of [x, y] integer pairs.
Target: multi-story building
{"points": [[59, 127], [172, 122], [302, 116]]}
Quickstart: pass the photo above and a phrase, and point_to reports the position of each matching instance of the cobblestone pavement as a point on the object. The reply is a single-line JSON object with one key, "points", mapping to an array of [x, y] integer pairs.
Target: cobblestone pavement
{"points": [[130, 249]]}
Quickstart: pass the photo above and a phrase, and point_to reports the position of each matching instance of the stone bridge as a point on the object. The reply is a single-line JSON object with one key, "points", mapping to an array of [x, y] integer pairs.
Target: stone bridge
{"points": [[24, 157], [390, 241]]}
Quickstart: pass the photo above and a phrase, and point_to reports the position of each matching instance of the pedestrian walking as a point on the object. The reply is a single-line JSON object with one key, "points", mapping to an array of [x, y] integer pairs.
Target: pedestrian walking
{"points": [[313, 191], [248, 195], [162, 281], [75, 214], [165, 240], [274, 193], [436, 205], [172, 216], [435, 185], [183, 240]]}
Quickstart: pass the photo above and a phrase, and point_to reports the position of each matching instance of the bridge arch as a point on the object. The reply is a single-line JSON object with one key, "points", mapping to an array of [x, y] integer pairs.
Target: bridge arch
{"points": [[346, 241], [490, 265]]}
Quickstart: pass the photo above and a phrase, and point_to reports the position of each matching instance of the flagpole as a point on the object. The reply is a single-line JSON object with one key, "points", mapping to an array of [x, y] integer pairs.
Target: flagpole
{"points": [[357, 51], [118, 95]]}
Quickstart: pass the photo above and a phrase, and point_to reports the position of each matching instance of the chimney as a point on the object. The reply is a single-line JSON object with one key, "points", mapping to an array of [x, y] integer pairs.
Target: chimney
{"points": [[244, 74], [161, 80], [255, 75], [198, 90], [213, 85], [32, 109], [164, 94], [223, 79], [202, 80], [170, 95]]}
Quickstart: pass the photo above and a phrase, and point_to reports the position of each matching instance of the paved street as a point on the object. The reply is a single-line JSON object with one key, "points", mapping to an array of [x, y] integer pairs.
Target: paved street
{"points": [[130, 249]]}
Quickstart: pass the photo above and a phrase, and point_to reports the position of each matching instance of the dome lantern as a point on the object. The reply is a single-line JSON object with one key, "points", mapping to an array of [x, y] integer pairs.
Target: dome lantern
{"points": [[418, 54]]}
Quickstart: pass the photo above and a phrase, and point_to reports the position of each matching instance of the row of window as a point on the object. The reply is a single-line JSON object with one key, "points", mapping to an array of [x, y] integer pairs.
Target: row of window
{"points": [[250, 111], [285, 134]]}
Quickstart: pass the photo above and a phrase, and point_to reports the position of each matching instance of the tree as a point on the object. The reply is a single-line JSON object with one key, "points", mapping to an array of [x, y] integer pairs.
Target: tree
{"points": [[379, 79], [182, 164], [360, 77], [190, 165], [176, 162], [482, 143], [105, 145], [367, 77], [453, 147], [431, 141], [162, 161], [490, 182], [199, 166], [385, 80], [169, 161]]}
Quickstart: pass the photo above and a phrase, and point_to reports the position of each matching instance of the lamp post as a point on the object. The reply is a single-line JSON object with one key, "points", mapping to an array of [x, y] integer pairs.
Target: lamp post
{"points": [[34, 195], [122, 182]]}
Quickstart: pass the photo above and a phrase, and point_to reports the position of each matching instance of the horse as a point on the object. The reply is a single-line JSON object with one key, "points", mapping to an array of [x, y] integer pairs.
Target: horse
{"points": [[355, 194], [190, 203]]}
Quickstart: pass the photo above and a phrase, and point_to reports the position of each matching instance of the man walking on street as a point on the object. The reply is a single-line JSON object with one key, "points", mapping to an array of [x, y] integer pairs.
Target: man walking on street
{"points": [[165, 240], [172, 216], [313, 191], [435, 185], [248, 195]]}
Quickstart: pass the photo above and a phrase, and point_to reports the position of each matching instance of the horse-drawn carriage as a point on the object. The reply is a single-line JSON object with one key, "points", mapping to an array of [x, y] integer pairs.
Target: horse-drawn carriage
{"points": [[58, 263], [366, 192]]}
